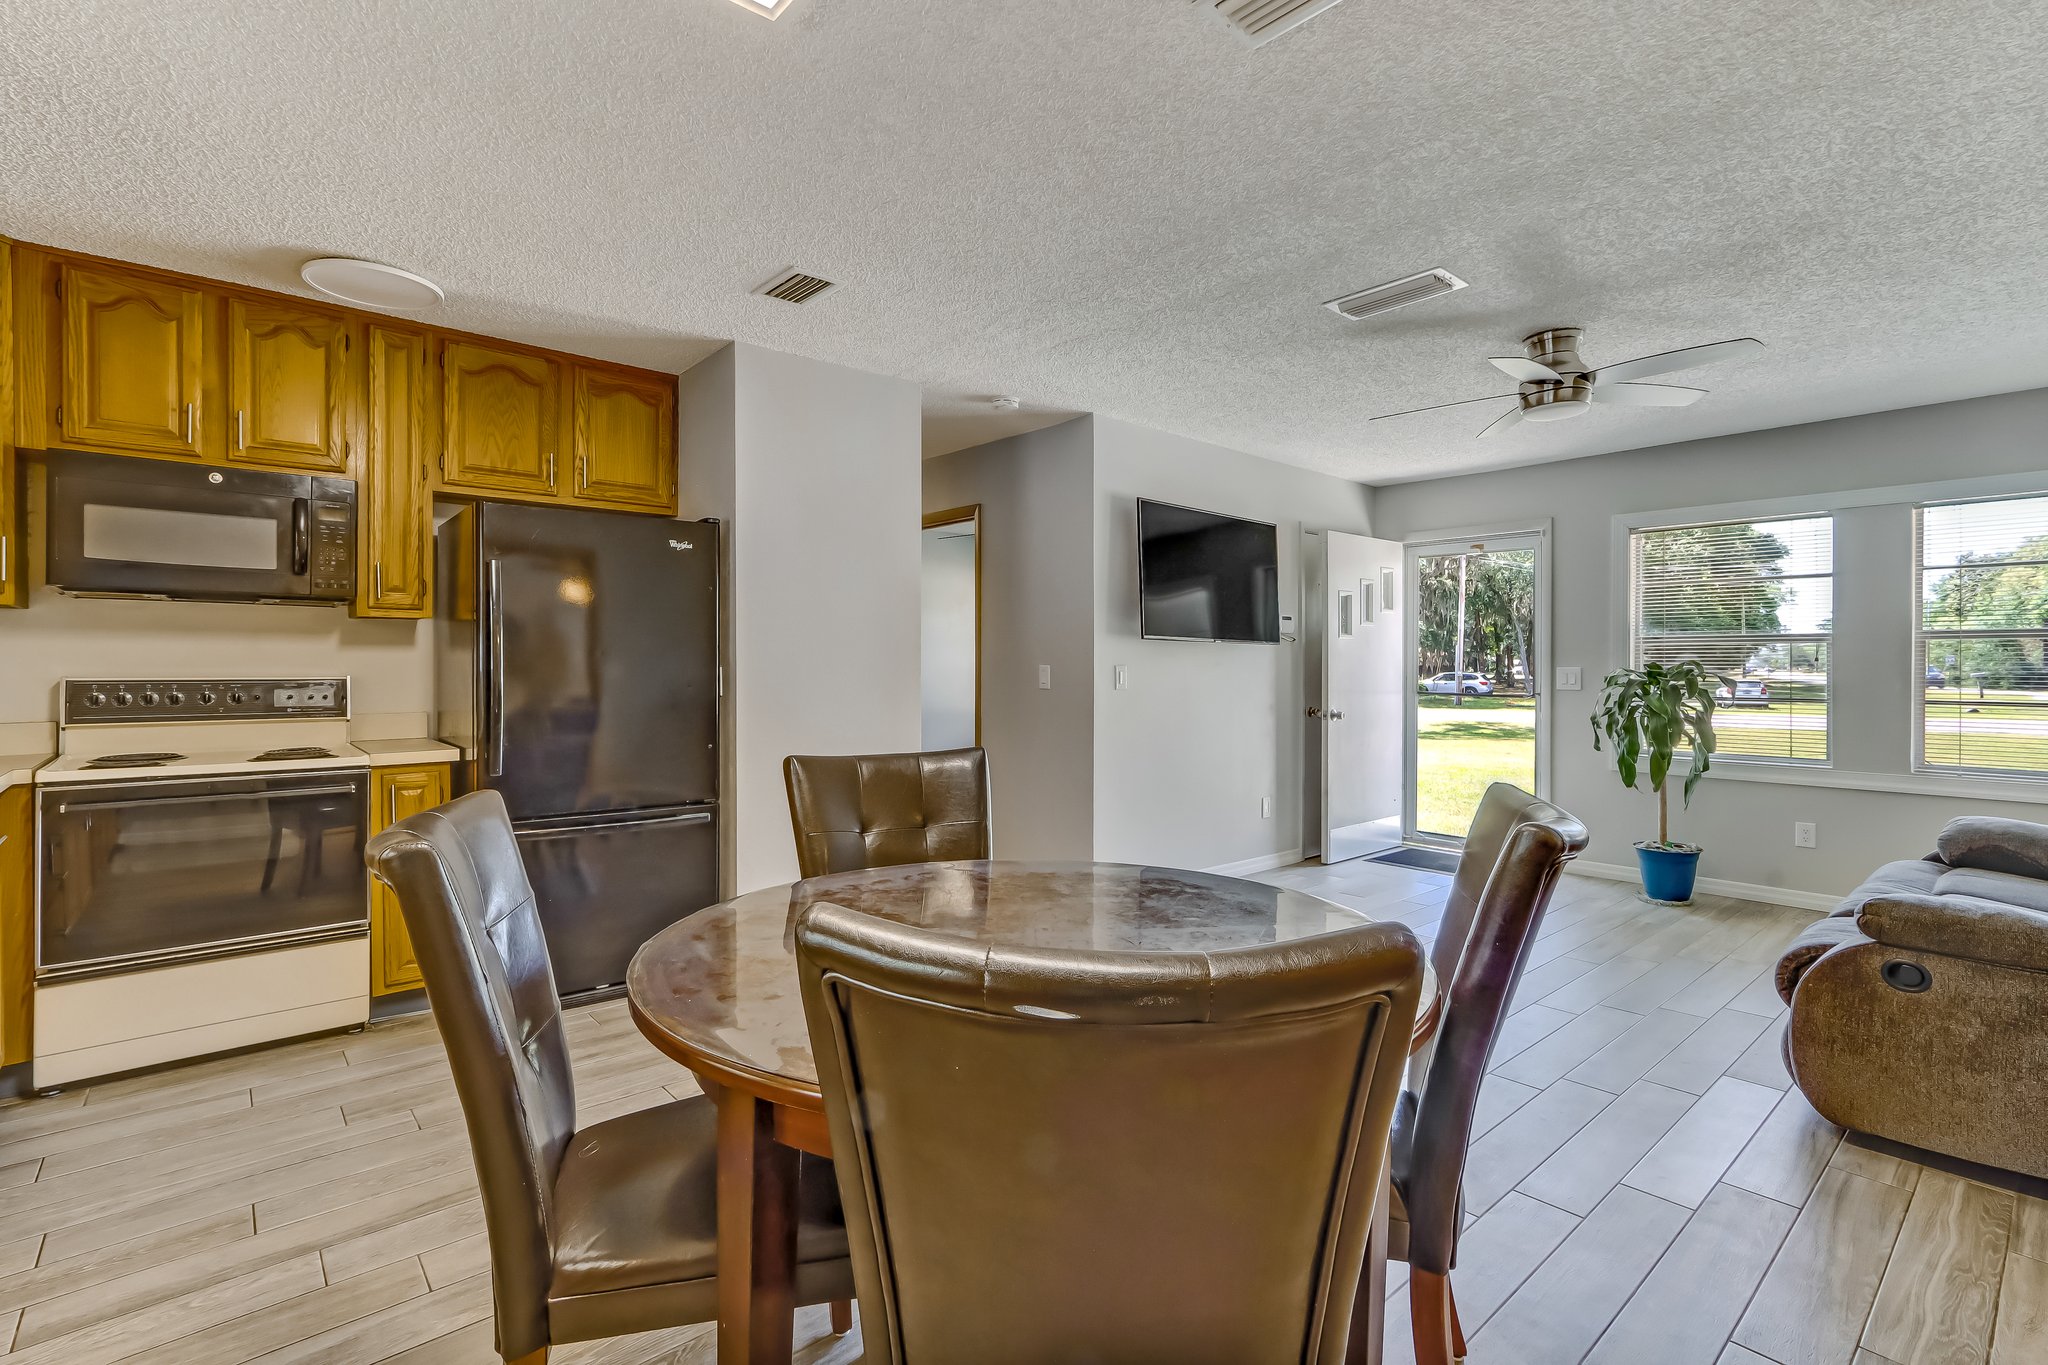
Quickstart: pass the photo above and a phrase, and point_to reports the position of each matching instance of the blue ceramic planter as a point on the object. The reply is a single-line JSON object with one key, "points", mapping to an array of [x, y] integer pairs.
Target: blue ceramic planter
{"points": [[1668, 873]]}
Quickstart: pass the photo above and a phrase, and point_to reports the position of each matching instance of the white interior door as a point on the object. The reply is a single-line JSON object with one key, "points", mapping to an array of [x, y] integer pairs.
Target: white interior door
{"points": [[1360, 711]]}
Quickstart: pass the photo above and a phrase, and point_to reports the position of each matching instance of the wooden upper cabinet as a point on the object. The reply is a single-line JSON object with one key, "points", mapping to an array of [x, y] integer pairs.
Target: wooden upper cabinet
{"points": [[499, 420], [625, 438], [394, 511], [288, 386], [131, 365]]}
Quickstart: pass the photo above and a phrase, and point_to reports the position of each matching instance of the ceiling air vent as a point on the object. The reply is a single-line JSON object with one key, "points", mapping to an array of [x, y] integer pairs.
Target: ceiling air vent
{"points": [[795, 287], [1261, 21], [1385, 298]]}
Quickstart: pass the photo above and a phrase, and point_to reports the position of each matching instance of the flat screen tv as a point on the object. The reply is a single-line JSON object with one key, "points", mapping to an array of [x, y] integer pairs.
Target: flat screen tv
{"points": [[1205, 576]]}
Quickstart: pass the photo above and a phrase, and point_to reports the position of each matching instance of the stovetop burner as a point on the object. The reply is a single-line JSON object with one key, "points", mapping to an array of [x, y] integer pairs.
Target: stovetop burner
{"points": [[154, 760], [304, 751]]}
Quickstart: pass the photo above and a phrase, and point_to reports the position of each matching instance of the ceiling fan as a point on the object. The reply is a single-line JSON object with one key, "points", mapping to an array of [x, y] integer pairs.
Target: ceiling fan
{"points": [[1556, 384]]}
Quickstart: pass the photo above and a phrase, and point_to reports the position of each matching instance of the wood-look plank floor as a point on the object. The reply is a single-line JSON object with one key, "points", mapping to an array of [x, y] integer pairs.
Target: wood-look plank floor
{"points": [[1644, 1186]]}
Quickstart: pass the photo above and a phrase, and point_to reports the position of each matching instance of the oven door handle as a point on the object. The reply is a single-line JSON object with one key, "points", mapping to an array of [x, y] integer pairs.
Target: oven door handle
{"points": [[66, 807], [301, 535]]}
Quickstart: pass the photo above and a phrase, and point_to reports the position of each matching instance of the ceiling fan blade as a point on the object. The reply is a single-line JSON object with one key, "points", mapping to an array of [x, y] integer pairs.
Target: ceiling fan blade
{"points": [[1645, 395], [1410, 412], [1503, 422], [1665, 362], [1524, 371]]}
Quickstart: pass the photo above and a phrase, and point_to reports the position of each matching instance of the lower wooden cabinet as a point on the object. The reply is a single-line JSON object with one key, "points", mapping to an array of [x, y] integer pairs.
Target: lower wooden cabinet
{"points": [[396, 793], [17, 920]]}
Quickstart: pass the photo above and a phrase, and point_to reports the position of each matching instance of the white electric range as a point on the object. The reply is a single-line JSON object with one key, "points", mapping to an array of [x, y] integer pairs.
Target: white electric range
{"points": [[200, 885]]}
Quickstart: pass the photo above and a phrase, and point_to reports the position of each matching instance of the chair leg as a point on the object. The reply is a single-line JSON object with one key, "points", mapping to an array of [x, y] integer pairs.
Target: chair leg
{"points": [[1429, 1308], [842, 1317], [1458, 1351]]}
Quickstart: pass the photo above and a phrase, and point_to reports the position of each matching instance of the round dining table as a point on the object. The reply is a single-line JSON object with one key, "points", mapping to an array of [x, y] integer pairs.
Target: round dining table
{"points": [[718, 992]]}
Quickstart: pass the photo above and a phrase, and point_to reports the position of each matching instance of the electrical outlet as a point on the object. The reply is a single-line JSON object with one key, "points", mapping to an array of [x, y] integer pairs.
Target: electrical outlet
{"points": [[1120, 677], [1045, 676], [1568, 680], [1265, 808], [1804, 835]]}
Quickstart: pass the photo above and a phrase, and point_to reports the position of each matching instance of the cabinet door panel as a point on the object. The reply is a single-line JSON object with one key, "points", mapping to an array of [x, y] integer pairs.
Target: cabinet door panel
{"points": [[499, 420], [131, 362], [396, 794], [287, 386], [393, 576], [625, 439], [17, 922], [11, 594]]}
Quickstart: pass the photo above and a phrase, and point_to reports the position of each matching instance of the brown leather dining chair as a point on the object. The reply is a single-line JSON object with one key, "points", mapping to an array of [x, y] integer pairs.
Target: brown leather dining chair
{"points": [[1514, 854], [594, 1232], [1110, 1157], [856, 811]]}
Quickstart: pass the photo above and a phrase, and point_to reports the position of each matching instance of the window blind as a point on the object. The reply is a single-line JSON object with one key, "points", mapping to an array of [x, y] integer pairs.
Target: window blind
{"points": [[1753, 601], [1982, 631]]}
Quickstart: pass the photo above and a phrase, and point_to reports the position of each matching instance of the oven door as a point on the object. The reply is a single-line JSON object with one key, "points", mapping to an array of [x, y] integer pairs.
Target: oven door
{"points": [[145, 873], [135, 527]]}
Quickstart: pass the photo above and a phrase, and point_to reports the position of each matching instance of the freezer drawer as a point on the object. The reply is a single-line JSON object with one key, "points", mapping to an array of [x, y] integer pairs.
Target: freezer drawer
{"points": [[605, 885]]}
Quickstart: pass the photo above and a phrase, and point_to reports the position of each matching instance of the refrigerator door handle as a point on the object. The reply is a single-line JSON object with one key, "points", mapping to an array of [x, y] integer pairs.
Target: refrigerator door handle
{"points": [[535, 833], [494, 681]]}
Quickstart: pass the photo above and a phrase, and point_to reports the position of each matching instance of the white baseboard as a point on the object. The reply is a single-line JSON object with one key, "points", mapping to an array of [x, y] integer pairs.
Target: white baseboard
{"points": [[1265, 862], [1820, 901]]}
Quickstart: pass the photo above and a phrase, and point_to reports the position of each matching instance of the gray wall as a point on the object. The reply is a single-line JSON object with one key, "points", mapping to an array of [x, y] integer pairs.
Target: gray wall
{"points": [[814, 469], [1037, 590], [1184, 756], [1746, 826]]}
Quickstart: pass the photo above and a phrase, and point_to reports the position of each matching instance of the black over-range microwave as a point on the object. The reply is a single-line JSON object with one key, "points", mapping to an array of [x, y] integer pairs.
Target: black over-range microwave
{"points": [[125, 526]]}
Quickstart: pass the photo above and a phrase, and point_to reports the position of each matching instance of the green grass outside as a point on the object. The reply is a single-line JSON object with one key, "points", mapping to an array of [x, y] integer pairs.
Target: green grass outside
{"points": [[1461, 750]]}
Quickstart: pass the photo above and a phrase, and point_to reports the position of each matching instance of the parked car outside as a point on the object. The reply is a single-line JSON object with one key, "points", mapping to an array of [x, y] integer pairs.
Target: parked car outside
{"points": [[1748, 692], [1935, 677], [1447, 684]]}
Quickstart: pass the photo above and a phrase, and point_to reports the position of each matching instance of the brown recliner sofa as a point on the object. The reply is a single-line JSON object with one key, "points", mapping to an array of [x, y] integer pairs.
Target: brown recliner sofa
{"points": [[1920, 1006]]}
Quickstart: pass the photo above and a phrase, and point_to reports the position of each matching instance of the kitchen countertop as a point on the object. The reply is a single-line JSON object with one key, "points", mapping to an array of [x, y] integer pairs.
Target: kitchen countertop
{"points": [[393, 753], [18, 768]]}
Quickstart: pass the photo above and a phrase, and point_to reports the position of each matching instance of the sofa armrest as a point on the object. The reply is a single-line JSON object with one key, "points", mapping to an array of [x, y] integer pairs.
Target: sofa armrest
{"points": [[1815, 941], [1959, 926], [1995, 845]]}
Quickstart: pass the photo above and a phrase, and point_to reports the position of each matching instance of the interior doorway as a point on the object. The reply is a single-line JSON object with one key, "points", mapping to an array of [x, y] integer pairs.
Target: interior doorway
{"points": [[1477, 646], [950, 634]]}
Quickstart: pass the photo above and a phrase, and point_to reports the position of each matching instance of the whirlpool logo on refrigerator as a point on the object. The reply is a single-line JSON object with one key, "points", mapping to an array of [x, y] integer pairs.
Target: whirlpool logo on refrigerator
{"points": [[682, 545]]}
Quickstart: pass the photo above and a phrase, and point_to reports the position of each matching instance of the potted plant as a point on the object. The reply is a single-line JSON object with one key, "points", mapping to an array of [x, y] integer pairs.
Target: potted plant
{"points": [[1648, 714]]}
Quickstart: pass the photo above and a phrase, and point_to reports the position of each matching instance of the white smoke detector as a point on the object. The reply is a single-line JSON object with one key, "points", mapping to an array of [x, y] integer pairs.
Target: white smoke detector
{"points": [[1004, 404]]}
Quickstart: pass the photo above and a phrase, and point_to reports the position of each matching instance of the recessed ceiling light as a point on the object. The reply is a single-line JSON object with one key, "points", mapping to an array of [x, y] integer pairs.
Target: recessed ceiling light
{"points": [[370, 285], [767, 9]]}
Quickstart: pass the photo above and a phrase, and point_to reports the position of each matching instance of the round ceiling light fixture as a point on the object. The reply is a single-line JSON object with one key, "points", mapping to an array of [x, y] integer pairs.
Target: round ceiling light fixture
{"points": [[370, 285], [1004, 404]]}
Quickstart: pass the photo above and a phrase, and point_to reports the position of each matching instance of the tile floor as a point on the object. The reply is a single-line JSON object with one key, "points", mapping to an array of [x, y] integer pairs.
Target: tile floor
{"points": [[1644, 1186]]}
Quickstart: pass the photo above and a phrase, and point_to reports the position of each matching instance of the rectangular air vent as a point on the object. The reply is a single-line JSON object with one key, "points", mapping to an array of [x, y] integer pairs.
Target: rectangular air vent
{"points": [[795, 287], [1385, 298], [1261, 21]]}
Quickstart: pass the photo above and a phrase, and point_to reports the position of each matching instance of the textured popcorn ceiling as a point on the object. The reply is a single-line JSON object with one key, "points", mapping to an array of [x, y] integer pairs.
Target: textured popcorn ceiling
{"points": [[1110, 207]]}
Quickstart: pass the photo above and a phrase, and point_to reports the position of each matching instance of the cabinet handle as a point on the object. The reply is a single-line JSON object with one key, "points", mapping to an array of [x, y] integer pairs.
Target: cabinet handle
{"points": [[3, 559], [241, 430], [188, 423], [551, 469], [377, 578]]}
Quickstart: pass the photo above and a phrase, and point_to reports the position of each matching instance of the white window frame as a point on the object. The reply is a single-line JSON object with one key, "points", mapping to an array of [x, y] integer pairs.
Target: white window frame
{"points": [[2037, 777]]}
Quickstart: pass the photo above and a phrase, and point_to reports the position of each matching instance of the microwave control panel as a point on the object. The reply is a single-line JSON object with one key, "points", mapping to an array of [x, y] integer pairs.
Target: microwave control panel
{"points": [[331, 558], [127, 700]]}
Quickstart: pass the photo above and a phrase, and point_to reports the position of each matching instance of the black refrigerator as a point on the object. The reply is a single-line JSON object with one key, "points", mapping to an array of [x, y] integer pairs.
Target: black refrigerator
{"points": [[578, 674]]}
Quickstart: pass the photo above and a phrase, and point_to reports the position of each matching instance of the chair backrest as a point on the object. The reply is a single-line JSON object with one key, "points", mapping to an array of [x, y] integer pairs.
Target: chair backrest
{"points": [[1106, 1156], [475, 930], [1513, 857], [878, 810]]}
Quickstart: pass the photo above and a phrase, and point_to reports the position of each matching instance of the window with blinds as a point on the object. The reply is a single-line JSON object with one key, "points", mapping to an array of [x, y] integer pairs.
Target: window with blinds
{"points": [[1754, 601], [1981, 636]]}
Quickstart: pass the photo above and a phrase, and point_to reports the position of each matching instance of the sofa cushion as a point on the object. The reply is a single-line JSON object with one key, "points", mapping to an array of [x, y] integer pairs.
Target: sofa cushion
{"points": [[1994, 844], [1915, 877], [2031, 892], [1960, 926]]}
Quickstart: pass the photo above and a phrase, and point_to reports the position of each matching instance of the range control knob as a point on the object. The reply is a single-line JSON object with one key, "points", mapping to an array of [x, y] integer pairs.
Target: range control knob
{"points": [[95, 699], [206, 697], [150, 699], [174, 699], [235, 697], [124, 699]]}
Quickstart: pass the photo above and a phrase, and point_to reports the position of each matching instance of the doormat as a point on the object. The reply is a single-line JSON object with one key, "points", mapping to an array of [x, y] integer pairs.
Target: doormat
{"points": [[1428, 859]]}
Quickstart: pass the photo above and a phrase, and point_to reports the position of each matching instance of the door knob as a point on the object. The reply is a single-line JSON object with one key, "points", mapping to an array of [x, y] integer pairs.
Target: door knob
{"points": [[1315, 710], [1336, 715]]}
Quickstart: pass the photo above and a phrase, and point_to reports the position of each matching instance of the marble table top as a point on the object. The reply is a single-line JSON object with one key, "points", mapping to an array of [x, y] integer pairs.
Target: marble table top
{"points": [[721, 985]]}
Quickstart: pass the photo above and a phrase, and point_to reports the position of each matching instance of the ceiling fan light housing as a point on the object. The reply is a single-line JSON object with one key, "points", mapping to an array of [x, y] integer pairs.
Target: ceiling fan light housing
{"points": [[1556, 402], [371, 284]]}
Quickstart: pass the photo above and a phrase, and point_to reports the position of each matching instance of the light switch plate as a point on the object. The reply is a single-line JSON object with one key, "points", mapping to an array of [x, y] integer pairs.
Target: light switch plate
{"points": [[1045, 676], [1120, 677], [1568, 680]]}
